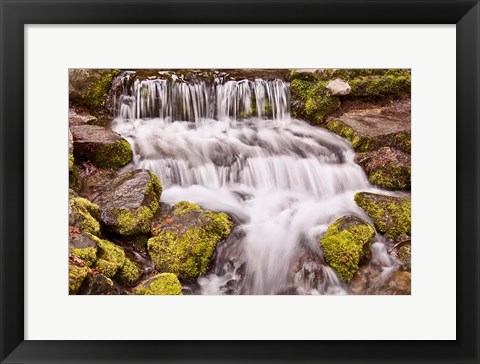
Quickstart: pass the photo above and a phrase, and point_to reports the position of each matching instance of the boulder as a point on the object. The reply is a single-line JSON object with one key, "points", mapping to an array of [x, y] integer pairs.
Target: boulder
{"points": [[83, 246], [97, 284], [129, 201], [185, 238], [130, 273], [76, 275], [161, 284], [110, 257], [338, 87], [84, 216], [387, 167], [101, 146], [404, 254], [346, 245], [80, 116], [390, 215]]}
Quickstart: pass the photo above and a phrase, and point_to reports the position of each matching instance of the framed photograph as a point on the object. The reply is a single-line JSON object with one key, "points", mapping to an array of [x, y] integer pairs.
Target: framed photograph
{"points": [[239, 181]]}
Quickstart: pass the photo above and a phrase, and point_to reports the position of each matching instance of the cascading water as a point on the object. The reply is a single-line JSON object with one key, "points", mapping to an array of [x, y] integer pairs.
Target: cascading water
{"points": [[231, 146]]}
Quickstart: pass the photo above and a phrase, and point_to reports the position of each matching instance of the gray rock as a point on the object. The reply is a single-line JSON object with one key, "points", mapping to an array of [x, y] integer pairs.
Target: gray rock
{"points": [[129, 201], [338, 87], [101, 146]]}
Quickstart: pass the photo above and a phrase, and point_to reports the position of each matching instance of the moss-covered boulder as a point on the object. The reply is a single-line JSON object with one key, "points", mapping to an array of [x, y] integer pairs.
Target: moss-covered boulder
{"points": [[83, 246], [161, 284], [363, 142], [311, 101], [185, 238], [130, 273], [97, 284], [129, 202], [76, 276], [346, 244], [387, 167], [390, 215], [84, 215], [381, 86], [100, 146], [110, 257], [403, 253], [89, 88], [73, 181]]}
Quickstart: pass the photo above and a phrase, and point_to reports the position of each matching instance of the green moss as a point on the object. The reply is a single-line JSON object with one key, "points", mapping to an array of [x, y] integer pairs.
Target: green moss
{"points": [[312, 101], [381, 86], [76, 276], [88, 255], [134, 222], [161, 284], [405, 255], [346, 244], [188, 252], [129, 273], [98, 91], [184, 207], [72, 173], [390, 215], [391, 177], [110, 257], [114, 155], [403, 141], [153, 192], [86, 214]]}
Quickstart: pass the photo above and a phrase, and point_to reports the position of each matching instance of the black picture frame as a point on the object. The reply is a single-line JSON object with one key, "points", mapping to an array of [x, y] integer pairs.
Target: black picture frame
{"points": [[15, 14]]}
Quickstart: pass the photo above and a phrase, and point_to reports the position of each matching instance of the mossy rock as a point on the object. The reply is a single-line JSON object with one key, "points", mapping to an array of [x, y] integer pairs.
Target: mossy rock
{"points": [[73, 181], [110, 257], [84, 247], [404, 254], [161, 284], [90, 87], [365, 143], [381, 87], [129, 274], [100, 146], [387, 168], [76, 276], [97, 284], [311, 100], [129, 202], [390, 215], [346, 245], [185, 238], [84, 215]]}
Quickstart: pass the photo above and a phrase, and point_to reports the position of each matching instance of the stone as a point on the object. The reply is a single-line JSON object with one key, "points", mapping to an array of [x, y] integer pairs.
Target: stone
{"points": [[387, 167], [161, 284], [391, 215], [101, 146], [80, 116], [129, 201], [338, 87], [98, 284], [185, 238], [398, 284], [346, 245]]}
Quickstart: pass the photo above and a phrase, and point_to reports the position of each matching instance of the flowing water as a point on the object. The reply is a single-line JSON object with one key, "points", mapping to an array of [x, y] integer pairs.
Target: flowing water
{"points": [[230, 145]]}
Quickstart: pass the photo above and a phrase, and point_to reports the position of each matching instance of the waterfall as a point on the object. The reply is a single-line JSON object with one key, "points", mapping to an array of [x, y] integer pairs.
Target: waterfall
{"points": [[230, 145], [173, 99]]}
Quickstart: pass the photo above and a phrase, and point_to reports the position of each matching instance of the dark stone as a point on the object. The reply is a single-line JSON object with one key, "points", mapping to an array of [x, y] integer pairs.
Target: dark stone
{"points": [[98, 284]]}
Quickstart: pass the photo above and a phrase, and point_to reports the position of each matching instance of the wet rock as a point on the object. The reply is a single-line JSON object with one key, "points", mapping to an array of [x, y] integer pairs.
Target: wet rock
{"points": [[185, 239], [364, 139], [404, 254], [129, 201], [390, 215], [398, 284], [307, 273], [94, 179], [101, 146], [83, 215], [338, 87], [387, 167], [97, 284], [83, 246], [77, 272], [161, 284], [130, 273], [346, 245]]}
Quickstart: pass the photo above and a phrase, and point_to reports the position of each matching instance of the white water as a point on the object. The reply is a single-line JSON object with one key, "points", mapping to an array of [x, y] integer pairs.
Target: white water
{"points": [[282, 180]]}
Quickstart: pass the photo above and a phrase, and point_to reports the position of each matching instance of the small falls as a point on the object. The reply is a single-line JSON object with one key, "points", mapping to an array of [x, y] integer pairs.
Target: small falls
{"points": [[230, 145]]}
